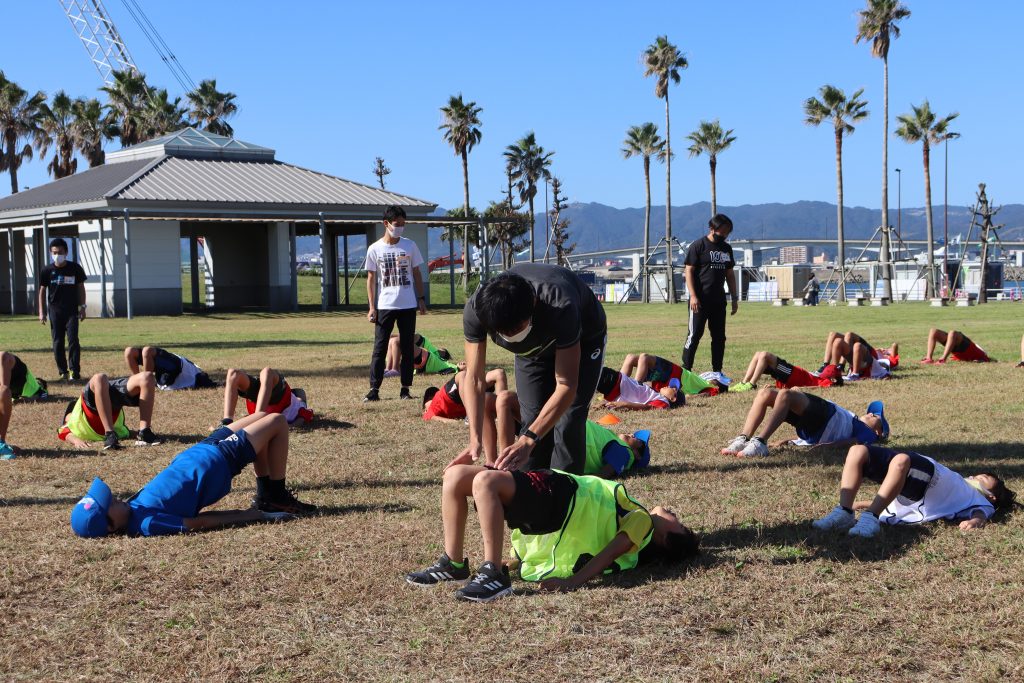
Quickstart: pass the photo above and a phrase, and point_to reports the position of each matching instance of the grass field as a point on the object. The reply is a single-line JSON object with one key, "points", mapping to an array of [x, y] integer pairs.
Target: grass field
{"points": [[323, 598]]}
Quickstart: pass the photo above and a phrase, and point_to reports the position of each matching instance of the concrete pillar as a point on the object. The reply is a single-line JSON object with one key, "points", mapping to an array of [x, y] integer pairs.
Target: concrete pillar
{"points": [[279, 267]]}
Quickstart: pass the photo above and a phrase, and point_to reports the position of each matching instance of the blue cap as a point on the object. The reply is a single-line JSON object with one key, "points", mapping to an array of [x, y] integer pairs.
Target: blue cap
{"points": [[876, 408], [675, 383], [89, 516], [645, 457]]}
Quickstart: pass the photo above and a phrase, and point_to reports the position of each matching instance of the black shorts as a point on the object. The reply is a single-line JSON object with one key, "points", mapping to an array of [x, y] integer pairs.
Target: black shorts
{"points": [[964, 344], [118, 393], [918, 478], [253, 392], [19, 375], [815, 417], [541, 501], [661, 372], [781, 371], [167, 367]]}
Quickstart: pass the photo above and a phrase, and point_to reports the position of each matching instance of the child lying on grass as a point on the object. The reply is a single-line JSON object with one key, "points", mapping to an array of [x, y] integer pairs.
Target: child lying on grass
{"points": [[197, 478], [786, 375], [913, 488], [567, 529]]}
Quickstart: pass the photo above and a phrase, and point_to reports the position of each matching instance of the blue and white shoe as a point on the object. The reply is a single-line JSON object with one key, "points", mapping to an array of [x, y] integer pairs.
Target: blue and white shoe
{"points": [[7, 451], [489, 583]]}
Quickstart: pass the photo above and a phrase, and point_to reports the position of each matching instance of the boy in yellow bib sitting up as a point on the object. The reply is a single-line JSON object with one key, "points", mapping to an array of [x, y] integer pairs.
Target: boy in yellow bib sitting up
{"points": [[566, 529]]}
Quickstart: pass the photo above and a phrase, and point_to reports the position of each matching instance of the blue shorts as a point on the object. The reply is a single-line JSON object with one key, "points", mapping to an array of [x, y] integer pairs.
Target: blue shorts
{"points": [[237, 451], [920, 475]]}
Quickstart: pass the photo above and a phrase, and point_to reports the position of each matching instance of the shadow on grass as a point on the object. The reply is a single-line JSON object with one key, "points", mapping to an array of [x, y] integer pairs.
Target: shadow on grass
{"points": [[54, 453], [25, 502], [330, 423], [247, 344], [356, 508], [366, 484], [727, 464]]}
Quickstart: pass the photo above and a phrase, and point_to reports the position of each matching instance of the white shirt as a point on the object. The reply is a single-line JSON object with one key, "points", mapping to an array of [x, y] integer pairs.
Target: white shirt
{"points": [[948, 496], [186, 379], [393, 264], [632, 391]]}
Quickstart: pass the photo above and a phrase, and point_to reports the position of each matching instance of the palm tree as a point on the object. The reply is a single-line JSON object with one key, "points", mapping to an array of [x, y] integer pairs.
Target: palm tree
{"points": [[710, 139], [19, 120], [90, 129], [162, 115], [878, 23], [921, 125], [528, 164], [842, 111], [663, 60], [127, 100], [209, 108], [57, 121], [461, 128], [644, 142]]}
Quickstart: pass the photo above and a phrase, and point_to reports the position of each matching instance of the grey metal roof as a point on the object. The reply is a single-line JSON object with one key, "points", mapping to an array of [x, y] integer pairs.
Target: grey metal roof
{"points": [[190, 142], [90, 185], [224, 181]]}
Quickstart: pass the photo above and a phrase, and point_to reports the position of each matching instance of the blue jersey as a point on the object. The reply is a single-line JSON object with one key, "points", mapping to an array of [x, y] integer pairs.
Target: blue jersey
{"points": [[196, 478]]}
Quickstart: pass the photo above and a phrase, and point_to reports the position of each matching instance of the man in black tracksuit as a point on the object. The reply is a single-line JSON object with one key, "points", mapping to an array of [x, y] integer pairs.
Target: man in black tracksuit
{"points": [[709, 265], [62, 289]]}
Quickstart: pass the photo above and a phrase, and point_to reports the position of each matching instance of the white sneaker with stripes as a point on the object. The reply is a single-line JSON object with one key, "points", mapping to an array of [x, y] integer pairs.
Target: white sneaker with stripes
{"points": [[439, 572]]}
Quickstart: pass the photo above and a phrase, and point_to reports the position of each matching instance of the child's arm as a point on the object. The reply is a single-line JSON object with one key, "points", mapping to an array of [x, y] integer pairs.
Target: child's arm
{"points": [[619, 545], [438, 418], [212, 520], [977, 521], [626, 405], [80, 444]]}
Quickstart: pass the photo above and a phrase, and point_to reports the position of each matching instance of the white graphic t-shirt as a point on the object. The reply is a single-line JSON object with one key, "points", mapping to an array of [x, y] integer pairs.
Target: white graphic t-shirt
{"points": [[393, 264]]}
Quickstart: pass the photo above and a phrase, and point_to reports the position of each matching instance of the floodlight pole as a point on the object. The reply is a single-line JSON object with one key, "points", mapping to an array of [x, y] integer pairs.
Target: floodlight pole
{"points": [[945, 218], [323, 264], [46, 244], [10, 260], [899, 206], [127, 265], [103, 272]]}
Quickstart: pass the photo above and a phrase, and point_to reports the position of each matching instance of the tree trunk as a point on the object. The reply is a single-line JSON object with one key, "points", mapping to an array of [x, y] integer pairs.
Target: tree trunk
{"points": [[533, 256], [646, 295], [465, 228], [714, 199], [930, 281], [983, 289], [10, 152], [886, 242], [841, 256], [669, 277]]}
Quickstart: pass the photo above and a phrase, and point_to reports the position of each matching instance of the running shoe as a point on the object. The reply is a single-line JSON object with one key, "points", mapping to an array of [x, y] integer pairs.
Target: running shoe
{"points": [[146, 437], [391, 373], [1019, 365], [286, 502], [755, 448], [6, 451], [867, 526], [489, 583], [440, 571], [735, 446], [743, 386], [404, 394], [74, 376], [838, 518], [852, 377], [371, 395], [110, 442]]}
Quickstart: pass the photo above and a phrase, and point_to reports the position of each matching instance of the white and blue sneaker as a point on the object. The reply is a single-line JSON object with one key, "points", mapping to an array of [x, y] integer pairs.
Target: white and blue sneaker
{"points": [[7, 451], [838, 518], [755, 448], [867, 526], [439, 572], [489, 583]]}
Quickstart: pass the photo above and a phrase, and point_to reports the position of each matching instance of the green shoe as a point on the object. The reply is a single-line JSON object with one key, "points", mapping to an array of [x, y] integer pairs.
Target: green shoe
{"points": [[741, 387]]}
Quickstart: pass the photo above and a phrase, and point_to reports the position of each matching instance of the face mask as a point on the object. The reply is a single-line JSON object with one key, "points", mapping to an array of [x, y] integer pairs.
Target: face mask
{"points": [[395, 231], [58, 259], [520, 336]]}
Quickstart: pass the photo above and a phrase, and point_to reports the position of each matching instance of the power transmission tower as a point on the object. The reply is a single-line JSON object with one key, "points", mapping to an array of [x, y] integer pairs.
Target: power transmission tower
{"points": [[98, 34]]}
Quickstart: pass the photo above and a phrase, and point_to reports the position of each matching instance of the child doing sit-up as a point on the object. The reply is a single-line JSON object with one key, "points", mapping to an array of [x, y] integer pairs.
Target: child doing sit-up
{"points": [[913, 488]]}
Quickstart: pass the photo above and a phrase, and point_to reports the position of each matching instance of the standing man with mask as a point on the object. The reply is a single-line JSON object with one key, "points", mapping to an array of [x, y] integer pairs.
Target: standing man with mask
{"points": [[709, 265], [394, 286], [62, 287], [555, 326]]}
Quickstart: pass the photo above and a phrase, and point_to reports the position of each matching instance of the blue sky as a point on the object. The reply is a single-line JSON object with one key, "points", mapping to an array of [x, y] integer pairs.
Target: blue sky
{"points": [[331, 85]]}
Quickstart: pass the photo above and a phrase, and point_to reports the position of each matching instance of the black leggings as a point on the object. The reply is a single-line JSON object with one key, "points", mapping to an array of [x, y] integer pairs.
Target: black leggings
{"points": [[714, 316]]}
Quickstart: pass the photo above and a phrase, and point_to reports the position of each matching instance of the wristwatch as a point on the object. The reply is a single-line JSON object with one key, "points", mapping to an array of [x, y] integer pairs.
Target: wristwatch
{"points": [[525, 431]]}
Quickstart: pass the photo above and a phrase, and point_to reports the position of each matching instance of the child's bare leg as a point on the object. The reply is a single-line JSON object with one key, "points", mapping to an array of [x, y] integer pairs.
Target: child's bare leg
{"points": [[508, 415], [894, 350], [456, 488], [149, 358], [841, 352], [236, 381], [492, 490], [935, 336], [268, 435], [832, 336], [760, 364], [6, 400], [786, 401], [765, 399], [629, 364], [645, 365], [132, 356], [495, 378], [490, 428], [895, 479], [860, 359], [394, 355], [268, 381], [100, 386], [853, 475], [143, 384], [1021, 351], [953, 340]]}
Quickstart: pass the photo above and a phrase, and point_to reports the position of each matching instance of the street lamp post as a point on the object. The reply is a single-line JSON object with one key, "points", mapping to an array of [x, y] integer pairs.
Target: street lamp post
{"points": [[899, 209], [945, 216]]}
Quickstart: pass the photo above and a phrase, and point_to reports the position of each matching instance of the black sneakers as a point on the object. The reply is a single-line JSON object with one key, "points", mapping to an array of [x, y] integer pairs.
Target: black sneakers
{"points": [[489, 583], [404, 394], [371, 395], [110, 442], [285, 502], [146, 437], [440, 571]]}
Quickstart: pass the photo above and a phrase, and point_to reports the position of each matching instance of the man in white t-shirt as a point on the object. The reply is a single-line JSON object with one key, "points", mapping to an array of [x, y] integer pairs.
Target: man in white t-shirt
{"points": [[394, 288]]}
